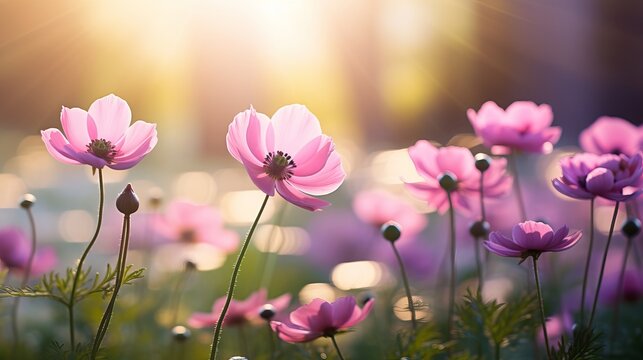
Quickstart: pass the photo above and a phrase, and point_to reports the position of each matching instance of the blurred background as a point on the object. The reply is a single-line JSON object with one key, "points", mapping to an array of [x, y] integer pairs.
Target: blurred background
{"points": [[379, 74]]}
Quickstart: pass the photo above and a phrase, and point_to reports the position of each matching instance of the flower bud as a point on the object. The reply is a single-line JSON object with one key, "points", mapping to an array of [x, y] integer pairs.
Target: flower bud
{"points": [[391, 231], [631, 227], [27, 201], [448, 181], [483, 161], [127, 201], [267, 312], [479, 229], [180, 333]]}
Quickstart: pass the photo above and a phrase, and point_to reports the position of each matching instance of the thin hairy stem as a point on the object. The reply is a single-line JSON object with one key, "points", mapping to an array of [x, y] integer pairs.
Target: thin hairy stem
{"points": [[588, 260], [233, 282], [542, 306], [407, 288], [452, 258], [339, 353], [478, 264]]}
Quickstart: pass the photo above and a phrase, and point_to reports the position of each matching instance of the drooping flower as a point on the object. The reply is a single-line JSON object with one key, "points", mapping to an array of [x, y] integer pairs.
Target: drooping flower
{"points": [[188, 223], [530, 238], [377, 207], [101, 136], [15, 249], [458, 162], [287, 153], [239, 312], [586, 176], [612, 135], [524, 126], [320, 318]]}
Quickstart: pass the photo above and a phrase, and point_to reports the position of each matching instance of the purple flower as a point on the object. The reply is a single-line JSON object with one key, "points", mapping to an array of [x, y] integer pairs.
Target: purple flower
{"points": [[586, 176], [524, 126], [612, 135], [15, 248], [531, 238]]}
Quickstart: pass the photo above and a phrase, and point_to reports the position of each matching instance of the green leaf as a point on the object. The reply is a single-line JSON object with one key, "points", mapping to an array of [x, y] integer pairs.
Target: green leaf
{"points": [[586, 345]]}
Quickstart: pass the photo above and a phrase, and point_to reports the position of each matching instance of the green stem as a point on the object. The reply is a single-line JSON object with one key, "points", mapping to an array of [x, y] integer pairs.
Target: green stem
{"points": [[453, 274], [478, 263], [271, 256], [542, 307], [233, 282], [517, 188], [79, 267], [120, 274], [407, 288], [587, 261], [339, 353], [600, 276], [25, 279], [619, 292], [497, 352], [178, 293]]}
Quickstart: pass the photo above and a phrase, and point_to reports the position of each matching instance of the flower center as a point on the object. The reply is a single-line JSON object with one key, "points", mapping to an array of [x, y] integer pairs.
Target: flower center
{"points": [[187, 236], [278, 165], [103, 149]]}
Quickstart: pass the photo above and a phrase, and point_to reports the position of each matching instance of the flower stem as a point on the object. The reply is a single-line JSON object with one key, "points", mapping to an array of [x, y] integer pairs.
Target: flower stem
{"points": [[619, 291], [27, 274], [407, 288], [79, 267], [120, 274], [517, 188], [452, 280], [233, 282], [478, 264], [178, 293], [272, 254], [542, 307], [600, 276], [339, 353], [588, 260]]}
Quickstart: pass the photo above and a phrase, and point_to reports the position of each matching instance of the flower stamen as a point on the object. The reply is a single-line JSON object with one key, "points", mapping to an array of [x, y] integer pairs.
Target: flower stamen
{"points": [[103, 149], [278, 165]]}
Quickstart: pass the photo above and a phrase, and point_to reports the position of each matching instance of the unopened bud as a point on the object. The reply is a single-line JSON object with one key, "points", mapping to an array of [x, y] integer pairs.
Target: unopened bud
{"points": [[448, 181], [391, 231], [483, 161], [267, 312], [127, 201], [180, 333], [631, 227], [27, 201], [479, 229]]}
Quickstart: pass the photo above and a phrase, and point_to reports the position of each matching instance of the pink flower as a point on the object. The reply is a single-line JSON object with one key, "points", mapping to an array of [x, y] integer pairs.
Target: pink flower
{"points": [[524, 126], [101, 136], [531, 238], [239, 312], [190, 223], [557, 327], [586, 176], [320, 318], [377, 207], [612, 135], [431, 163], [288, 153], [15, 249]]}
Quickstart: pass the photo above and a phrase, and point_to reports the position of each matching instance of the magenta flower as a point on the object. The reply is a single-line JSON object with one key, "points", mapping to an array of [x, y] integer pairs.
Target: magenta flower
{"points": [[15, 248], [431, 163], [320, 318], [531, 238], [524, 126], [586, 176], [612, 135], [239, 312], [189, 223], [101, 136], [377, 207], [287, 153]]}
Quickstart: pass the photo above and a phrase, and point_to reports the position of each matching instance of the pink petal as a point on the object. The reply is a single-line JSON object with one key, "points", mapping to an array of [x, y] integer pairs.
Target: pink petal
{"points": [[237, 138], [359, 315], [280, 303], [45, 260], [327, 180], [572, 192], [457, 160], [74, 122], [313, 156], [296, 197], [424, 154], [302, 314], [136, 135], [599, 180], [609, 134], [112, 117], [256, 135], [259, 177], [294, 127], [58, 147], [202, 320], [343, 309], [292, 334]]}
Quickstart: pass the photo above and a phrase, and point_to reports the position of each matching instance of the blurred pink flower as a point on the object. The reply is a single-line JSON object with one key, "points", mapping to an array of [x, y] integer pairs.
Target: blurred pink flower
{"points": [[524, 126], [531, 238], [288, 153], [15, 248], [632, 289], [557, 326], [431, 163], [612, 135], [586, 176], [190, 223], [377, 207], [239, 312], [101, 136], [320, 318]]}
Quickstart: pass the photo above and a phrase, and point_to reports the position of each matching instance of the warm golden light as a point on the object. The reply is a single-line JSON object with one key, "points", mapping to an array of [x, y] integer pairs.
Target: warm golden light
{"points": [[357, 275], [12, 189], [284, 240], [195, 186], [317, 290], [401, 308], [235, 207]]}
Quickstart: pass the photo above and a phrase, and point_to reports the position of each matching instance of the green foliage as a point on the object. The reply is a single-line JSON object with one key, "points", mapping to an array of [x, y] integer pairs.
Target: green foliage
{"points": [[481, 324], [586, 345], [425, 343], [59, 287]]}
